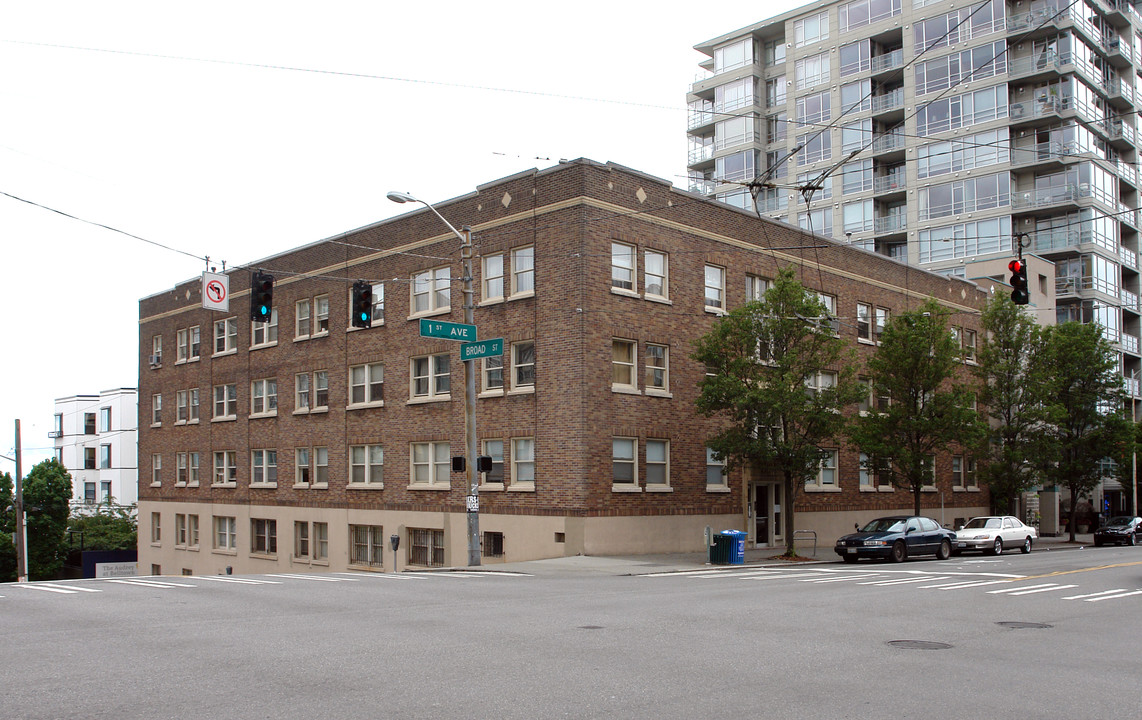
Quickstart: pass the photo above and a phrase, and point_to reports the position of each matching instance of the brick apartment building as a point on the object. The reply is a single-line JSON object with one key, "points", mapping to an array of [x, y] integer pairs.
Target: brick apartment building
{"points": [[305, 444]]}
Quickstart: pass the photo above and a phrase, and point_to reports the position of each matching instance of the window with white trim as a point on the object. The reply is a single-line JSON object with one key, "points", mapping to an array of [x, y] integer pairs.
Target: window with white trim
{"points": [[826, 478], [811, 70], [181, 412], [432, 290], [755, 288], [301, 394], [225, 533], [523, 463], [157, 409], [622, 266], [156, 528], [808, 30], [301, 466], [264, 334], [192, 469], [156, 350], [657, 377], [868, 479], [864, 322], [963, 473], [320, 467], [225, 402], [264, 467], [493, 373], [657, 464], [492, 277], [263, 536], [180, 469], [715, 471], [264, 397], [367, 465], [523, 270], [303, 319], [715, 288], [195, 343], [523, 365], [225, 467], [156, 469], [655, 273], [182, 346], [430, 377], [367, 384], [624, 467], [495, 450], [431, 464], [366, 545], [226, 336], [623, 358]]}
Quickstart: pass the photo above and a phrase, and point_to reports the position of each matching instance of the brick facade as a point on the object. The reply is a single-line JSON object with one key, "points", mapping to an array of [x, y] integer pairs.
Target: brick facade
{"points": [[570, 215]]}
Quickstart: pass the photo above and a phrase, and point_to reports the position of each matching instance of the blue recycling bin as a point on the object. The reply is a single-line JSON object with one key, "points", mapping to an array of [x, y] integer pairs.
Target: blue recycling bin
{"points": [[729, 548]]}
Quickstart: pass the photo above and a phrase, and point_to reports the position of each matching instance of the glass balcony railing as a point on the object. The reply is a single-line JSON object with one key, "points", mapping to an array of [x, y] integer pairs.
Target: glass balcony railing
{"points": [[888, 61], [885, 143], [1130, 302], [890, 183], [888, 101], [1129, 258], [890, 224]]}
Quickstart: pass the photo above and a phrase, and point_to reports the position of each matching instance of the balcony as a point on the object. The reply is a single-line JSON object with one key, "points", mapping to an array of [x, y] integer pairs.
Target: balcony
{"points": [[700, 155], [1117, 51], [1120, 90], [1046, 108], [1122, 133], [887, 143], [700, 118], [1130, 302], [1129, 258], [1128, 215], [1046, 241], [888, 61], [1048, 153], [889, 101], [1128, 343], [1119, 12], [890, 224], [1129, 173], [1030, 68], [895, 182], [704, 187], [1038, 199], [1131, 385]]}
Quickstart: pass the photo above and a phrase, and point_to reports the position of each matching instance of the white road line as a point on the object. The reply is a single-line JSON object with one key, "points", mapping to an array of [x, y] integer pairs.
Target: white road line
{"points": [[312, 577], [382, 576], [836, 578], [1050, 589], [905, 581], [1021, 587], [151, 583], [965, 585], [1115, 597], [62, 589], [784, 577], [1091, 595], [239, 581]]}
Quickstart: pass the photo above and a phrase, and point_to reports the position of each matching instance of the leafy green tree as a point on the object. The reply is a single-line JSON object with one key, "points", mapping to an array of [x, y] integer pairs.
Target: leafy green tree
{"points": [[1083, 421], [7, 527], [765, 363], [47, 491], [1012, 397], [111, 527], [916, 367]]}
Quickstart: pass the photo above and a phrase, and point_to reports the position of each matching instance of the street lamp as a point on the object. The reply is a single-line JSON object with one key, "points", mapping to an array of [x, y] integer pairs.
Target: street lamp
{"points": [[473, 498]]}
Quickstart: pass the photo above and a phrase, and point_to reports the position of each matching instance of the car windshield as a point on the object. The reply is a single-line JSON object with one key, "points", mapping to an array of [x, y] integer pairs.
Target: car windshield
{"points": [[884, 525], [977, 523], [1124, 520]]}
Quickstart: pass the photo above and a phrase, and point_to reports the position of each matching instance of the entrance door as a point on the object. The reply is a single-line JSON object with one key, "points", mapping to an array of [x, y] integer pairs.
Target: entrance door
{"points": [[762, 509]]}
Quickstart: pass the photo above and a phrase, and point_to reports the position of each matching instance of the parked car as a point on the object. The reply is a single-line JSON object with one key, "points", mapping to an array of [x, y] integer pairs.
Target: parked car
{"points": [[1122, 529], [993, 534], [896, 538]]}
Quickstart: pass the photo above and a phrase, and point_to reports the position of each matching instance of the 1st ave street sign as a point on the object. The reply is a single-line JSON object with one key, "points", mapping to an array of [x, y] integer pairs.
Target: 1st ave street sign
{"points": [[482, 349], [447, 330]]}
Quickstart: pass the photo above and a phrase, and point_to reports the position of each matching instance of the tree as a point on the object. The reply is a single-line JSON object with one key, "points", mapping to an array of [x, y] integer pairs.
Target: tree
{"points": [[780, 376], [7, 527], [47, 491], [1083, 420], [915, 366], [111, 527], [1011, 394]]}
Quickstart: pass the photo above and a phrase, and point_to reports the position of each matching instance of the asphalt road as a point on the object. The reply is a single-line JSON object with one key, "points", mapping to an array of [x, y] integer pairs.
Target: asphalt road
{"points": [[814, 641]]}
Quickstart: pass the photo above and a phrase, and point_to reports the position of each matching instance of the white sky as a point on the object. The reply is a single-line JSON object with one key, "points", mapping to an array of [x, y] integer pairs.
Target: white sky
{"points": [[218, 158]]}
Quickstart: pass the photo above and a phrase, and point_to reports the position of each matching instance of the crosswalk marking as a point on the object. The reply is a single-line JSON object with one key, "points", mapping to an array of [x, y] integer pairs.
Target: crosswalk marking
{"points": [[1050, 589], [964, 584], [1105, 595], [151, 583], [901, 581], [832, 579], [783, 577], [1091, 595], [1030, 590], [383, 576], [62, 589], [236, 580], [318, 578]]}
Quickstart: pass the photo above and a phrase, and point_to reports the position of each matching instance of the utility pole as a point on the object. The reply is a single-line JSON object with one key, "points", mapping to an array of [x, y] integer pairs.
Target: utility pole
{"points": [[21, 520], [473, 498]]}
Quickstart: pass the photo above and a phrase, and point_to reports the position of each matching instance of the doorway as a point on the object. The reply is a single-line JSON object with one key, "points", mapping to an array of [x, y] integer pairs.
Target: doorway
{"points": [[765, 514]]}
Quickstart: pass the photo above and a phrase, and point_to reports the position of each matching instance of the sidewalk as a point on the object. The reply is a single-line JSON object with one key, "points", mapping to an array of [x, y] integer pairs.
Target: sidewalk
{"points": [[683, 562]]}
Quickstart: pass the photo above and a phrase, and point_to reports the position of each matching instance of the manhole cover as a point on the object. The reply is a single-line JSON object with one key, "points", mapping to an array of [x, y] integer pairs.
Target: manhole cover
{"points": [[1023, 625], [918, 645], [590, 627]]}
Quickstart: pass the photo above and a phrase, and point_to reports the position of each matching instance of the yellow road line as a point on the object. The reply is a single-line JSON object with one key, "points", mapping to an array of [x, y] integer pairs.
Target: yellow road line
{"points": [[1071, 572]]}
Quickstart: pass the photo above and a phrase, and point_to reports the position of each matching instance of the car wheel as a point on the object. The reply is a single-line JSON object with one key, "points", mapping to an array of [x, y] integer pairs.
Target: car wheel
{"points": [[944, 551], [1133, 540], [1097, 543], [898, 552], [849, 558], [997, 549], [1026, 545]]}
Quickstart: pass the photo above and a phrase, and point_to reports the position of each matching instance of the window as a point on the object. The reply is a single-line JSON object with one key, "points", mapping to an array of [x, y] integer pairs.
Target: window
{"points": [[737, 55], [320, 390], [930, 471], [867, 474], [950, 113], [493, 373], [776, 127], [180, 469], [192, 531], [301, 397], [858, 216], [180, 530], [89, 458], [192, 405], [156, 469], [226, 336], [622, 266], [320, 466], [856, 135], [715, 470], [182, 346], [156, 409], [523, 463], [301, 467], [195, 343], [366, 545], [623, 470], [426, 547], [826, 478], [715, 287], [431, 464], [378, 303], [967, 344], [523, 365], [367, 465], [300, 539], [978, 150], [105, 419], [492, 544], [622, 364], [302, 319], [657, 368], [855, 57], [265, 334], [814, 28], [105, 457], [736, 167], [654, 274], [735, 95], [523, 270], [857, 97], [657, 464], [320, 541], [225, 402], [755, 288], [156, 350], [89, 423], [817, 221], [775, 91], [430, 377], [493, 277], [856, 177], [321, 315], [881, 323], [225, 533], [735, 131], [192, 469], [495, 450], [156, 528], [367, 384], [811, 71], [774, 53], [814, 109], [265, 467], [432, 290], [815, 146], [264, 397], [819, 382], [181, 410], [264, 536], [865, 12], [225, 467]]}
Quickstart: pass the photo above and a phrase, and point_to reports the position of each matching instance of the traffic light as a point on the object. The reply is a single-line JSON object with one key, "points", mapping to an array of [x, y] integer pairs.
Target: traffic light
{"points": [[361, 308], [261, 297], [1019, 293]]}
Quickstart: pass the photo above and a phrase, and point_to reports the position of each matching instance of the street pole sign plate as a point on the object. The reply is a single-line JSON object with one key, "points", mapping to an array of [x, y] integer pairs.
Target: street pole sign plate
{"points": [[216, 292], [482, 349], [447, 330]]}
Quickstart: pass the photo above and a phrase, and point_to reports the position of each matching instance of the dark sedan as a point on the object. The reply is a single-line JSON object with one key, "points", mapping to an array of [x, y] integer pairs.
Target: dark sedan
{"points": [[897, 538], [1123, 529]]}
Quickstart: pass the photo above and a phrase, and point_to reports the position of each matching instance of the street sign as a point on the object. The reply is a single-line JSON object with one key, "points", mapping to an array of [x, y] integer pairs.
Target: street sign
{"points": [[216, 291], [447, 330], [473, 502], [482, 349]]}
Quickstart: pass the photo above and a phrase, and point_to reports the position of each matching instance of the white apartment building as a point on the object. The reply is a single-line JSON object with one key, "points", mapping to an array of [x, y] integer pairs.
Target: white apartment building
{"points": [[940, 132], [96, 439]]}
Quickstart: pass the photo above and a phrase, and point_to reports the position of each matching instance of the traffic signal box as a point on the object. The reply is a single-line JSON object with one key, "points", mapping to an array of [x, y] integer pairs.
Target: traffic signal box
{"points": [[1020, 295], [362, 305], [261, 297]]}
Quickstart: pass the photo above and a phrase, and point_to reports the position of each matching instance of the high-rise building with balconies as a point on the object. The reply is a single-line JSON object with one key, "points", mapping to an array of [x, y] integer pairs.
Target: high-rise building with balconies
{"points": [[943, 135]]}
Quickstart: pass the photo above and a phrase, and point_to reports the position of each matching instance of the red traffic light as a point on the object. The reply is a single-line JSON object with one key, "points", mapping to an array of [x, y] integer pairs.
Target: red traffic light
{"points": [[1020, 294]]}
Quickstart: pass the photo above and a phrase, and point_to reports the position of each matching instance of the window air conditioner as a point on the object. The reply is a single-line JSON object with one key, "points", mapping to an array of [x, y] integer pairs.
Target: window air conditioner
{"points": [[156, 360]]}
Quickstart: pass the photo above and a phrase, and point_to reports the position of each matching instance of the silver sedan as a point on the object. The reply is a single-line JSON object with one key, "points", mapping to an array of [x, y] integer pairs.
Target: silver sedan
{"points": [[994, 534]]}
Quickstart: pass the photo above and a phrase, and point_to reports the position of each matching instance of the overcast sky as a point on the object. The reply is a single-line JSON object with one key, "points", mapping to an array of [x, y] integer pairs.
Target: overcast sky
{"points": [[237, 130]]}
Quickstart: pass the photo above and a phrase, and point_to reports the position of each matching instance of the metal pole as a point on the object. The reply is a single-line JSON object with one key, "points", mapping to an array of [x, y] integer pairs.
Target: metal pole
{"points": [[473, 499], [21, 519], [1134, 454]]}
